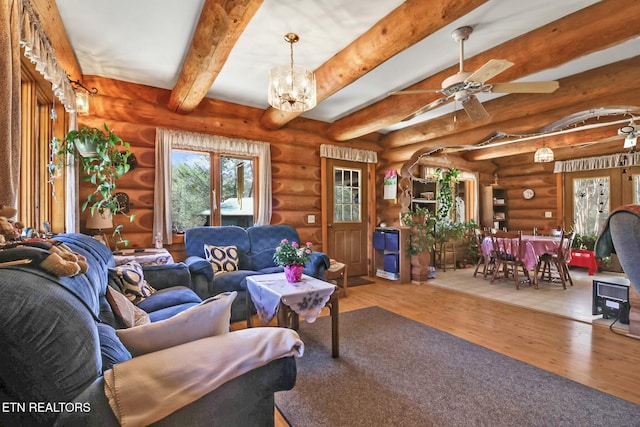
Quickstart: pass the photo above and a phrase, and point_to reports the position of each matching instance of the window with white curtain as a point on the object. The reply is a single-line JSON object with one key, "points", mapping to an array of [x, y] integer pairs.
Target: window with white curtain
{"points": [[238, 169]]}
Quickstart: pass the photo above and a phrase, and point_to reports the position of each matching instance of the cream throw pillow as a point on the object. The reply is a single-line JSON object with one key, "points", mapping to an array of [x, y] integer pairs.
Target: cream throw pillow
{"points": [[209, 318], [125, 311]]}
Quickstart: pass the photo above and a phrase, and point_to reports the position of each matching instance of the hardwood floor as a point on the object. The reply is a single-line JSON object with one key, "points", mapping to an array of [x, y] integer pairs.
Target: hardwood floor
{"points": [[589, 354]]}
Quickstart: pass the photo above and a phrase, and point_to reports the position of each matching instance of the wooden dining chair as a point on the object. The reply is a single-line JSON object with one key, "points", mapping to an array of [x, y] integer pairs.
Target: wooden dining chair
{"points": [[560, 260], [487, 261], [509, 255]]}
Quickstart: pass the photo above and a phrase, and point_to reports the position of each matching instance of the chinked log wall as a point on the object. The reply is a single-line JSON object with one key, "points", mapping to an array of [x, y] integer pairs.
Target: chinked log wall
{"points": [[134, 111]]}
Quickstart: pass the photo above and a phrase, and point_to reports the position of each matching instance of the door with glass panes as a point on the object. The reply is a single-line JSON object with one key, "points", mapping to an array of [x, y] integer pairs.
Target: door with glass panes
{"points": [[348, 214]]}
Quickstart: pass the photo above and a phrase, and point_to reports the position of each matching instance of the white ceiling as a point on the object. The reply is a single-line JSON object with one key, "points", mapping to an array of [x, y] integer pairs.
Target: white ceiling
{"points": [[145, 41]]}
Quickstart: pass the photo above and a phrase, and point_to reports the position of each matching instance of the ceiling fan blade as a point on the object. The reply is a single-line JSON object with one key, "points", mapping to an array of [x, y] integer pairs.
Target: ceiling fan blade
{"points": [[409, 92], [492, 68], [474, 109], [430, 106], [525, 87]]}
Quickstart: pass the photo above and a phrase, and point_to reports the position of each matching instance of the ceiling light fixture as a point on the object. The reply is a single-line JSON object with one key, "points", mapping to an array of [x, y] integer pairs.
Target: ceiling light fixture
{"points": [[292, 87], [630, 132], [543, 155], [82, 96]]}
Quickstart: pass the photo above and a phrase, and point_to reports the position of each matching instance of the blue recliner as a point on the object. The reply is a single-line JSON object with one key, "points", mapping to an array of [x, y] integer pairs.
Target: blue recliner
{"points": [[621, 235], [58, 337]]}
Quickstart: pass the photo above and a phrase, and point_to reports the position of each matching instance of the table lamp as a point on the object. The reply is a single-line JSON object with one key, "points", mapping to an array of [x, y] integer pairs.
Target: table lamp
{"points": [[100, 221]]}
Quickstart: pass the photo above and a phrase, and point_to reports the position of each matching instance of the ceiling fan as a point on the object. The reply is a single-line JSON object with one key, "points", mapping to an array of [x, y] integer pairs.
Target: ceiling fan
{"points": [[463, 85]]}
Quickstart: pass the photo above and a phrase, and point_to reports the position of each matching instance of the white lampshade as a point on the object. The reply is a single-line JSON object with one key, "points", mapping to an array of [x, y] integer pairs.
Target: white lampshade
{"points": [[543, 155], [100, 221]]}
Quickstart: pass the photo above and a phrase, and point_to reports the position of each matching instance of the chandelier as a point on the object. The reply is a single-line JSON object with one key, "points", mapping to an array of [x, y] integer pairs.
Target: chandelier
{"points": [[292, 87], [543, 155]]}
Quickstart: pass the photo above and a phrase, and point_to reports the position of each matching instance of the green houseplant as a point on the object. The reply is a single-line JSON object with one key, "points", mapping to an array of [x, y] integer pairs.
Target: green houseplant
{"points": [[104, 157], [420, 241]]}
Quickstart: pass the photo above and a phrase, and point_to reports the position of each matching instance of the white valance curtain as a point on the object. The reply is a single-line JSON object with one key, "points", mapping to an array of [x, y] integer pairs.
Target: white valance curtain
{"points": [[167, 139], [38, 49], [598, 162], [350, 154]]}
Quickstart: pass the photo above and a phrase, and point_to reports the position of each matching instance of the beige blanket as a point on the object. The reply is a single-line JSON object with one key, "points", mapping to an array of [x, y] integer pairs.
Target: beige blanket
{"points": [[147, 388]]}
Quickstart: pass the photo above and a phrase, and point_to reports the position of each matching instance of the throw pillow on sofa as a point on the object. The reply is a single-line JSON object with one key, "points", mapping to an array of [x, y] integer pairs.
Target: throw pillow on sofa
{"points": [[221, 258], [129, 278], [209, 318], [125, 311]]}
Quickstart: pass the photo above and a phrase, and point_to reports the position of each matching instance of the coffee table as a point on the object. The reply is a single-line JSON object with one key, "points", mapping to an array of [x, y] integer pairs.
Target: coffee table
{"points": [[272, 295]]}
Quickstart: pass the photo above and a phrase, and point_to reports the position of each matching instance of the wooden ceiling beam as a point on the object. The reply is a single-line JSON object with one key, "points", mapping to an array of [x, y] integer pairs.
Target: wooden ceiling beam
{"points": [[406, 25], [220, 25], [554, 44], [52, 25]]}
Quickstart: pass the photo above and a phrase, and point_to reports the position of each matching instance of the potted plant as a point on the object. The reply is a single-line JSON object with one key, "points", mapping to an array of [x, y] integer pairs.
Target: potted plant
{"points": [[104, 158], [292, 256], [420, 242]]}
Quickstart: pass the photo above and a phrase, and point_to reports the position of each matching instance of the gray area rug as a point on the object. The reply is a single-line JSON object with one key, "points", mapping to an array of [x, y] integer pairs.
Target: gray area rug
{"points": [[393, 371]]}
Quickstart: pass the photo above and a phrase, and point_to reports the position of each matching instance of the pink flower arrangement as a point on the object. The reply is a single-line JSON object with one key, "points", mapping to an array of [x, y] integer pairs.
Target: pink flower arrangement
{"points": [[291, 253]]}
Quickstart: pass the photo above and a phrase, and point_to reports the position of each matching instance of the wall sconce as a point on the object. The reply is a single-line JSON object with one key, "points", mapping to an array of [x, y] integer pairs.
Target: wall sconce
{"points": [[82, 96], [292, 87]]}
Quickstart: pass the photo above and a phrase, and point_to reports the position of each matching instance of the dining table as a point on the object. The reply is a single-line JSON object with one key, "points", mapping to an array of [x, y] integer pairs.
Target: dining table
{"points": [[535, 247]]}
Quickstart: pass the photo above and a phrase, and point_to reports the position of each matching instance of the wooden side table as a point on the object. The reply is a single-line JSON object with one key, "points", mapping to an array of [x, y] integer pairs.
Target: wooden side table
{"points": [[272, 296], [337, 271]]}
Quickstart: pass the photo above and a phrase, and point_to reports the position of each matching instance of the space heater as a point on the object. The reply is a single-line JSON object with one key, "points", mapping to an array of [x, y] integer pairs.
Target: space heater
{"points": [[611, 298]]}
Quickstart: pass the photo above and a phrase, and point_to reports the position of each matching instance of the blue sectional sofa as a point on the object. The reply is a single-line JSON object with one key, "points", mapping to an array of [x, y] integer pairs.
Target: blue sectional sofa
{"points": [[255, 245], [58, 338]]}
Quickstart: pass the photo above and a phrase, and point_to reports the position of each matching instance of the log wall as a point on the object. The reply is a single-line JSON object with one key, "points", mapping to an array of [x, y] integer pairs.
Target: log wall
{"points": [[135, 111]]}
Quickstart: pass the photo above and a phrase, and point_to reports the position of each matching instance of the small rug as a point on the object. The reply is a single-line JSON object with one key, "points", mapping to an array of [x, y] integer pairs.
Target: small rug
{"points": [[357, 281], [393, 371]]}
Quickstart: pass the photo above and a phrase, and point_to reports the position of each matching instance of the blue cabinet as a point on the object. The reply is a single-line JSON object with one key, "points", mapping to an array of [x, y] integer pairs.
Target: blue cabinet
{"points": [[389, 255]]}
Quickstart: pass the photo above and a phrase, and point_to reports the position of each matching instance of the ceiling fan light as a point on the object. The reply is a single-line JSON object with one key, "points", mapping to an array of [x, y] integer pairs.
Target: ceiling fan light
{"points": [[543, 155]]}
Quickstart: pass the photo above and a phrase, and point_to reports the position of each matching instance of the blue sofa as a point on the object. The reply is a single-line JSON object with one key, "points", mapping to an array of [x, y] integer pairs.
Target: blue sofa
{"points": [[256, 246], [58, 338]]}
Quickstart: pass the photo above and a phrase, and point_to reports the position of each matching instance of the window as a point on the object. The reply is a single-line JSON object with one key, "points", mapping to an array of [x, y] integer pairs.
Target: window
{"points": [[636, 189], [347, 186], [39, 200], [591, 204], [198, 178]]}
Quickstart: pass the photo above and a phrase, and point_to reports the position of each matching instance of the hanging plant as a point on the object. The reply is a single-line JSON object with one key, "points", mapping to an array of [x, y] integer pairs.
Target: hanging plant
{"points": [[445, 195], [104, 158]]}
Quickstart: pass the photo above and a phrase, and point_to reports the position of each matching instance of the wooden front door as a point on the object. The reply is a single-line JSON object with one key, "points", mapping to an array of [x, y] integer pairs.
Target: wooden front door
{"points": [[347, 214]]}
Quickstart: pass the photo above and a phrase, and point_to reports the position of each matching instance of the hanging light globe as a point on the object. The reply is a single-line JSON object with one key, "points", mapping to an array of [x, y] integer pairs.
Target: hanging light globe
{"points": [[543, 155]]}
